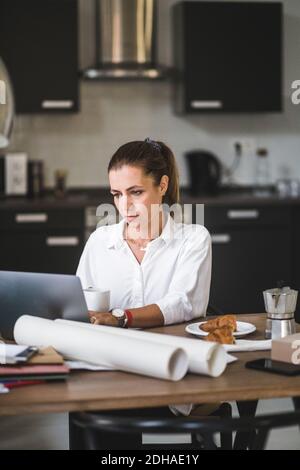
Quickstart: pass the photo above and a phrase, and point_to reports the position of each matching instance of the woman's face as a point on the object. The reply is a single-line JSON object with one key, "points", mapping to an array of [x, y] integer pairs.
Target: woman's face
{"points": [[135, 193]]}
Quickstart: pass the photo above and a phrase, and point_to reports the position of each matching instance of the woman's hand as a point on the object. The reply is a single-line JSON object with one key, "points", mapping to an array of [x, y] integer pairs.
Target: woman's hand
{"points": [[102, 318], [143, 317]]}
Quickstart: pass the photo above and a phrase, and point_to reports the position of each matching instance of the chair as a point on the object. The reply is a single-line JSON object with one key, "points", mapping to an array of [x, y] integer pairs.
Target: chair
{"points": [[204, 429], [83, 433], [213, 310]]}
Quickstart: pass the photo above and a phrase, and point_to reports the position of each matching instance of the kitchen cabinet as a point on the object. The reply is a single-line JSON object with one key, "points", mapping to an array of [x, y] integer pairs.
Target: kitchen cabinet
{"points": [[227, 57], [252, 250], [39, 45], [48, 241]]}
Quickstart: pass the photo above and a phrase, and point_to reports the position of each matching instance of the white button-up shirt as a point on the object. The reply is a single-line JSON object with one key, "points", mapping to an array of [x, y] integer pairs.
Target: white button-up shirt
{"points": [[175, 272]]}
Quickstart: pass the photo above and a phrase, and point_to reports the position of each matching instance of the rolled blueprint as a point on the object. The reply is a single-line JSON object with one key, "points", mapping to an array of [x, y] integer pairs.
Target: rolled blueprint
{"points": [[149, 358], [204, 358]]}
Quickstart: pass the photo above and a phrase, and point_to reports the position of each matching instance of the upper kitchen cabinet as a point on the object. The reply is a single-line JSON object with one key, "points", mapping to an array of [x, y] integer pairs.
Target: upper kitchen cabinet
{"points": [[227, 56], [39, 45]]}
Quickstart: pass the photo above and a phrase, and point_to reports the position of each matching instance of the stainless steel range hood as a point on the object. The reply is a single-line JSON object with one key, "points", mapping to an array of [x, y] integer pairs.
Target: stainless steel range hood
{"points": [[125, 40]]}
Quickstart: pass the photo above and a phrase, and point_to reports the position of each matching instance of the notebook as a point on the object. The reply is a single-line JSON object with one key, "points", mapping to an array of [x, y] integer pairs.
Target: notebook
{"points": [[31, 372]]}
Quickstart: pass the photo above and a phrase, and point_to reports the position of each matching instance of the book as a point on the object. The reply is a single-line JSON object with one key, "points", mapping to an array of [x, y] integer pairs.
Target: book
{"points": [[32, 372], [21, 383]]}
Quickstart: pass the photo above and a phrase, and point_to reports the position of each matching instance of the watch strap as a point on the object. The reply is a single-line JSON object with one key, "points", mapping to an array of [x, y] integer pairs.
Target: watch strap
{"points": [[129, 317]]}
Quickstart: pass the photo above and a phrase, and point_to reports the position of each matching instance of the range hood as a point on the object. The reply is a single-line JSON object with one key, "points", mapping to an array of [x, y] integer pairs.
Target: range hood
{"points": [[125, 40]]}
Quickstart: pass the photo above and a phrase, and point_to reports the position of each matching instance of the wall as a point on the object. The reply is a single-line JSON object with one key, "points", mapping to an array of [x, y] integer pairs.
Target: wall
{"points": [[115, 112]]}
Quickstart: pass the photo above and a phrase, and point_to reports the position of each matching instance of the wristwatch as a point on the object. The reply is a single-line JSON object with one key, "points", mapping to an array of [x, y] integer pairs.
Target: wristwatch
{"points": [[121, 316]]}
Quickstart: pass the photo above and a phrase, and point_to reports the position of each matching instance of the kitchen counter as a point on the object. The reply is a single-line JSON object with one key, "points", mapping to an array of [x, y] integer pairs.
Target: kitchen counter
{"points": [[74, 199], [239, 197], [84, 197]]}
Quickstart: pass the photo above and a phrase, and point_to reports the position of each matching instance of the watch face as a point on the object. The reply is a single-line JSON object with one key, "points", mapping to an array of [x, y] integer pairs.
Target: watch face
{"points": [[118, 313]]}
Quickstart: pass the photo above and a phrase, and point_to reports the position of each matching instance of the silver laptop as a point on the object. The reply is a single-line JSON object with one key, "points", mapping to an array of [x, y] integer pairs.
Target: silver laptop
{"points": [[43, 295]]}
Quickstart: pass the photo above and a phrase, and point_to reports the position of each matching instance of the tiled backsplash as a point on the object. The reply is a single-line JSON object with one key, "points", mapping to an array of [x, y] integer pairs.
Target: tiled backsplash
{"points": [[113, 113]]}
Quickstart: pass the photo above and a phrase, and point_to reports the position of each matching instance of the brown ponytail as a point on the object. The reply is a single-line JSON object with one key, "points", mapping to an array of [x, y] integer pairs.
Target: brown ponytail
{"points": [[155, 158]]}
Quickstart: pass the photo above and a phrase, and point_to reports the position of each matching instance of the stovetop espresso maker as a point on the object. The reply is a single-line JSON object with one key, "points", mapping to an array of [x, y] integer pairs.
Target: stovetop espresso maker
{"points": [[280, 305]]}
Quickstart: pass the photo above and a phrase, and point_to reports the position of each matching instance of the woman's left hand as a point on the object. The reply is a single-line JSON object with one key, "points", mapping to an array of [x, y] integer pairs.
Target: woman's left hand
{"points": [[102, 318]]}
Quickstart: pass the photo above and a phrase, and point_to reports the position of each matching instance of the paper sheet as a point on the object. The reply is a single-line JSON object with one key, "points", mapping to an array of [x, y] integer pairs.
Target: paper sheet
{"points": [[204, 358], [231, 359], [243, 345], [14, 349], [81, 365], [3, 389], [8, 352], [158, 360]]}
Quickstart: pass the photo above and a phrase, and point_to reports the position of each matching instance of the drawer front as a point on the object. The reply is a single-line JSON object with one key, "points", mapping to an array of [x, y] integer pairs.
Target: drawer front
{"points": [[231, 216], [39, 219], [52, 251]]}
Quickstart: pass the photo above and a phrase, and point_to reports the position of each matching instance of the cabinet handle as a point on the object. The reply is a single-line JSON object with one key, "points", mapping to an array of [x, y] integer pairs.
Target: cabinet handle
{"points": [[198, 104], [62, 241], [220, 238], [58, 104], [243, 214], [31, 218]]}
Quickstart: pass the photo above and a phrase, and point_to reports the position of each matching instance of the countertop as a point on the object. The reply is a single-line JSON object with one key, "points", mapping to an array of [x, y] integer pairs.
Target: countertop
{"points": [[85, 197]]}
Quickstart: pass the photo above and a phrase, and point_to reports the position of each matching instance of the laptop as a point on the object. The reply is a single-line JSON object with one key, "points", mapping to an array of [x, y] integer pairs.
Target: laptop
{"points": [[43, 295]]}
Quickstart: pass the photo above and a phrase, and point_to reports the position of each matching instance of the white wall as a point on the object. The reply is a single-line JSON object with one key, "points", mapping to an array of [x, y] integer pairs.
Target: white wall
{"points": [[115, 112]]}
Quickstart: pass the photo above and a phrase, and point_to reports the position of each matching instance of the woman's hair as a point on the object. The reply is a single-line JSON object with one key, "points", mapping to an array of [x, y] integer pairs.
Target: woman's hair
{"points": [[155, 158]]}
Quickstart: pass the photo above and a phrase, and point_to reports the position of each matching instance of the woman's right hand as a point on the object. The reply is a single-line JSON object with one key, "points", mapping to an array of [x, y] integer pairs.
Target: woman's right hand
{"points": [[102, 318]]}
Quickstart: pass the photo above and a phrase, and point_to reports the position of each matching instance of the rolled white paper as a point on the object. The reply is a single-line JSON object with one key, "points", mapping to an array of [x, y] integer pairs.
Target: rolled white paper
{"points": [[97, 300], [102, 348], [204, 358]]}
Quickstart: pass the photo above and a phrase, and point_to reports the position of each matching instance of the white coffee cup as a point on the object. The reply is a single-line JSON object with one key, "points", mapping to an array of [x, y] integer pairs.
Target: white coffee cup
{"points": [[97, 300]]}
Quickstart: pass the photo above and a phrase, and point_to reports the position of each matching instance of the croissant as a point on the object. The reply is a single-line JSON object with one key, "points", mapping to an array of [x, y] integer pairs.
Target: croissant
{"points": [[221, 335], [219, 322]]}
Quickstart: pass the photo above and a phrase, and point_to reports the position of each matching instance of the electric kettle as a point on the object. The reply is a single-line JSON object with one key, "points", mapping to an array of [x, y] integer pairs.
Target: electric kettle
{"points": [[204, 172]]}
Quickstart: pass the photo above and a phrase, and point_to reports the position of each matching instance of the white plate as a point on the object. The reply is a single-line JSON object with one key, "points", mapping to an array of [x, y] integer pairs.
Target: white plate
{"points": [[243, 329]]}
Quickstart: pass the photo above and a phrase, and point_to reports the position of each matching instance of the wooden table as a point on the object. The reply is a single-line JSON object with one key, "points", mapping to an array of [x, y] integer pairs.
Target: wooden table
{"points": [[119, 390]]}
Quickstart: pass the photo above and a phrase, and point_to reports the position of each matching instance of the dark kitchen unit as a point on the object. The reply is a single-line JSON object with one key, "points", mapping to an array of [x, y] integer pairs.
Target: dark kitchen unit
{"points": [[252, 251], [41, 239], [39, 45], [227, 57]]}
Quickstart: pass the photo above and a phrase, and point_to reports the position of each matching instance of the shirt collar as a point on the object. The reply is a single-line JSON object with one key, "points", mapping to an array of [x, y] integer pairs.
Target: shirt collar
{"points": [[116, 239], [168, 231]]}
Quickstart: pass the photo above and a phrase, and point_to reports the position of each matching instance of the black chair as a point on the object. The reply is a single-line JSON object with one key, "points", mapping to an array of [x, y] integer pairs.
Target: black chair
{"points": [[213, 310], [203, 429], [85, 433]]}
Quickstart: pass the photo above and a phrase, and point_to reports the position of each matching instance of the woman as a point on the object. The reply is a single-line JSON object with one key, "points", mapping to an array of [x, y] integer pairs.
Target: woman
{"points": [[158, 271]]}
